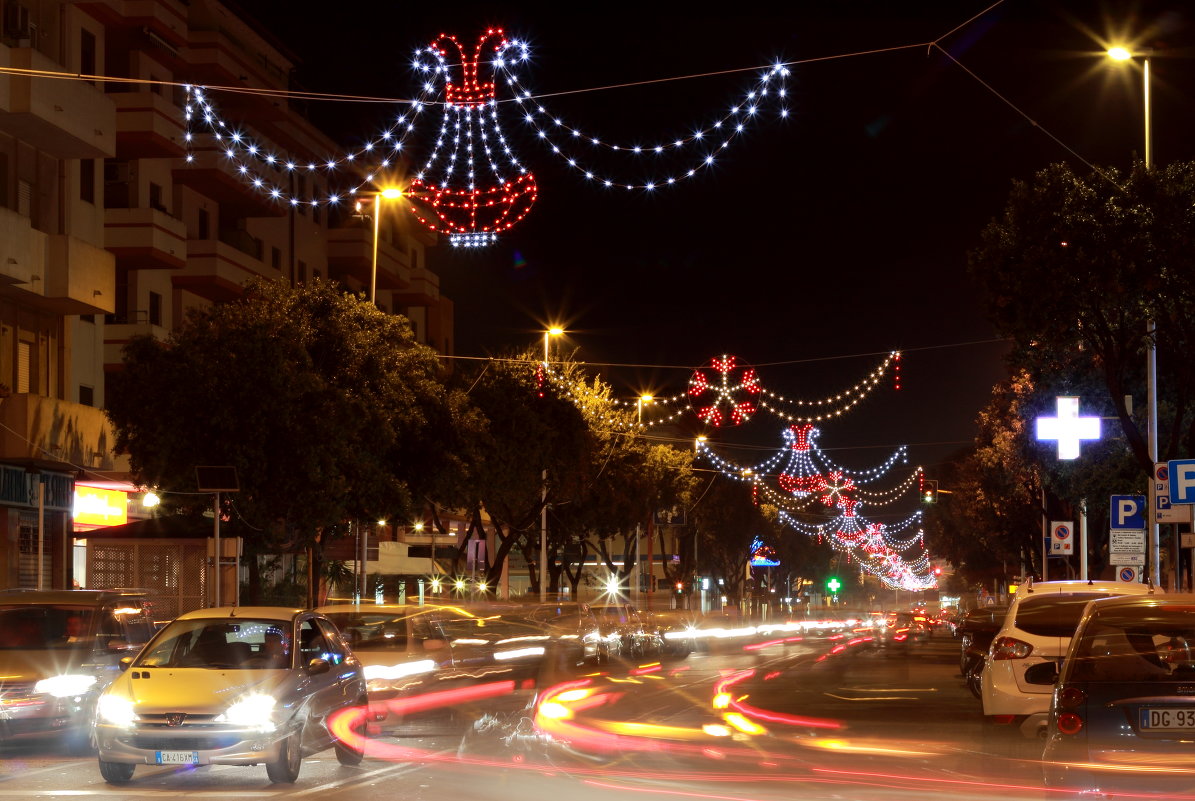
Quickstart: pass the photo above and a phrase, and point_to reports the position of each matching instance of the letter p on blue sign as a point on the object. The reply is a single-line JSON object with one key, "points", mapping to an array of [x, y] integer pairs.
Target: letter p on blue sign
{"points": [[1128, 511], [1182, 480]]}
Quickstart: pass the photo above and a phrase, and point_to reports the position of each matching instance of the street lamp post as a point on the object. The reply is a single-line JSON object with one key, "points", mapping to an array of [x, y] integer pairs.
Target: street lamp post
{"points": [[554, 331], [389, 193], [1151, 355], [651, 573]]}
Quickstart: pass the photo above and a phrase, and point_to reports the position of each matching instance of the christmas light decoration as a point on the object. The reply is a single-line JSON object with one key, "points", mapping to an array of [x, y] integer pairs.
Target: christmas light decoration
{"points": [[731, 386], [794, 411]]}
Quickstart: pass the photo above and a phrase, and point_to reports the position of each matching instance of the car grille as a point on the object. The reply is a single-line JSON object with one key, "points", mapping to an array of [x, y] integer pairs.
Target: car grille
{"points": [[150, 742], [154, 720]]}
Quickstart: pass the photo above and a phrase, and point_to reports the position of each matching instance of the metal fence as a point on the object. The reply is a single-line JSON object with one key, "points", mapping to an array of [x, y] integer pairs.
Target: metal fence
{"points": [[174, 571]]}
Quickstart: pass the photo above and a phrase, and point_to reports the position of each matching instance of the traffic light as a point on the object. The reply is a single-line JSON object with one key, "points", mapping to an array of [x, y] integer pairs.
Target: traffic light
{"points": [[930, 492], [680, 587], [833, 585]]}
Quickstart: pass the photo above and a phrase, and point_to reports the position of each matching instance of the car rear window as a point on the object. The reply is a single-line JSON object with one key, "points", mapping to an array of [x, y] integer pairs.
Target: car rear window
{"points": [[1149, 645], [1053, 615]]}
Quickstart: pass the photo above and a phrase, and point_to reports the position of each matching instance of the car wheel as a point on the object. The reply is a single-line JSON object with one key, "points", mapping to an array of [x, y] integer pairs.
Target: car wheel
{"points": [[345, 754], [116, 772], [285, 768]]}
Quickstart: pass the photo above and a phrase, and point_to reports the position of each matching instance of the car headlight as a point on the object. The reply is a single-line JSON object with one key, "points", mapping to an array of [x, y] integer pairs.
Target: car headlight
{"points": [[252, 711], [65, 686], [117, 710]]}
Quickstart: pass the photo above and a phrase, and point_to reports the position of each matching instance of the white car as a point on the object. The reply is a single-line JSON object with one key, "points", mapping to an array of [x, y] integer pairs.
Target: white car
{"points": [[1040, 623]]}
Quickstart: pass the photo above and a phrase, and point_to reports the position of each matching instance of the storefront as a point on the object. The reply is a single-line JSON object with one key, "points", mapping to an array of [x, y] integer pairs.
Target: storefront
{"points": [[35, 515]]}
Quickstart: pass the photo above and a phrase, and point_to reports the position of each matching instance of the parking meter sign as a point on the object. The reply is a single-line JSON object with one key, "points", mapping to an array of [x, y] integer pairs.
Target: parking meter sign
{"points": [[1062, 539]]}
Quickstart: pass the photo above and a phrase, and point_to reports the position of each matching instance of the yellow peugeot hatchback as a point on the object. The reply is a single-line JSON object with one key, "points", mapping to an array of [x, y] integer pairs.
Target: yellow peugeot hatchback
{"points": [[230, 686]]}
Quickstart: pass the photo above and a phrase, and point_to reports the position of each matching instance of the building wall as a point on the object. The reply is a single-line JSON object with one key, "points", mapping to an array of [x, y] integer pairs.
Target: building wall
{"points": [[106, 234]]}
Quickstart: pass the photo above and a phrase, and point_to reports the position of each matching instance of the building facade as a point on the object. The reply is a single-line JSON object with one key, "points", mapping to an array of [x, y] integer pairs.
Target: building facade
{"points": [[107, 232]]}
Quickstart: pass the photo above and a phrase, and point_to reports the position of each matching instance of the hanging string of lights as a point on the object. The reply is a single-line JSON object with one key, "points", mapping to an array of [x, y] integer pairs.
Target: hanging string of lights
{"points": [[562, 139], [841, 402]]}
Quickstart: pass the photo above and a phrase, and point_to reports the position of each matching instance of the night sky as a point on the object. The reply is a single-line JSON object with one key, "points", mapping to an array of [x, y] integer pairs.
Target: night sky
{"points": [[819, 242]]}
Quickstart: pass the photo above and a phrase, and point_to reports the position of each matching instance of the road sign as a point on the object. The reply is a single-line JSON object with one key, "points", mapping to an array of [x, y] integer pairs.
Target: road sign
{"points": [[1126, 540], [1128, 511], [1062, 540], [1129, 558], [1164, 510], [1182, 480], [1128, 574]]}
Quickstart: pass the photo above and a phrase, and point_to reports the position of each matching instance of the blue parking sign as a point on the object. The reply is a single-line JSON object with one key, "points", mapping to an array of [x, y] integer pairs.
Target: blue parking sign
{"points": [[1128, 511], [1182, 480]]}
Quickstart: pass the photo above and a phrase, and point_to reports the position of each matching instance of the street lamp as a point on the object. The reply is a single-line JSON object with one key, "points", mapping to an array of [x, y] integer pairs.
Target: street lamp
{"points": [[1151, 356], [389, 193], [554, 331]]}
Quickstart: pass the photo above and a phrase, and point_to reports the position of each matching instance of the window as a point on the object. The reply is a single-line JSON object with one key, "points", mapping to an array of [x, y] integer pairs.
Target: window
{"points": [[87, 318], [87, 180], [86, 395], [87, 53], [302, 276], [155, 308], [204, 226], [155, 197], [24, 364], [276, 258]]}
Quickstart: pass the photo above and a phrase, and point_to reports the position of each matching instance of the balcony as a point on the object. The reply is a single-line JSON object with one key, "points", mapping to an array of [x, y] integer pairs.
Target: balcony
{"points": [[350, 252], [119, 330], [164, 19], [39, 429], [218, 58], [22, 252], [69, 119], [211, 175], [148, 125], [145, 239], [216, 270], [80, 277], [423, 289]]}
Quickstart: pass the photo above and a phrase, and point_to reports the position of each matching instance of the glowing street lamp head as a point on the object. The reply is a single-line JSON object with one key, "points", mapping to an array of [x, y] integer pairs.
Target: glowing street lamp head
{"points": [[555, 330], [391, 193], [1119, 53]]}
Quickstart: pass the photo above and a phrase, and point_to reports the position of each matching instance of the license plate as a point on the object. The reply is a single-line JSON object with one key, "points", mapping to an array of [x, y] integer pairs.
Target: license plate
{"points": [[1173, 719], [177, 757]]}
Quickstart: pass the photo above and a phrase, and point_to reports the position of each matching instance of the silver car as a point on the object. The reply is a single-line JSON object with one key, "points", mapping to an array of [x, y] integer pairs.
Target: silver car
{"points": [[231, 686]]}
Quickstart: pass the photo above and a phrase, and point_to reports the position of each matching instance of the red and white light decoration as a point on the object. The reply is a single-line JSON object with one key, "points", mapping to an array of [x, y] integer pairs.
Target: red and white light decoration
{"points": [[725, 394]]}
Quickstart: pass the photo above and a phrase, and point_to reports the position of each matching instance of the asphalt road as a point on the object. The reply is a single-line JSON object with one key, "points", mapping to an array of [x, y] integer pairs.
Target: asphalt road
{"points": [[812, 718]]}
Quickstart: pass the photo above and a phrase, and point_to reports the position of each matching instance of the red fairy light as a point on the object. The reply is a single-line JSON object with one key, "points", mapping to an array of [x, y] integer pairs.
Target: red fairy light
{"points": [[896, 371], [724, 388]]}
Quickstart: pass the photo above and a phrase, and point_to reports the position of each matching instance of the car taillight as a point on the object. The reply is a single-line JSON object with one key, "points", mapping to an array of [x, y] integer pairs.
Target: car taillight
{"points": [[1010, 648], [1069, 723], [1071, 697]]}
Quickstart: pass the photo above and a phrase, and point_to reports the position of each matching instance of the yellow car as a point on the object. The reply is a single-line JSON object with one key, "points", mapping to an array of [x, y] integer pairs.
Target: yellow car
{"points": [[230, 686]]}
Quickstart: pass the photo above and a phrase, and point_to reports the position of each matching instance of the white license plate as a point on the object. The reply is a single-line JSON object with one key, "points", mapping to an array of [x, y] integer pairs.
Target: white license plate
{"points": [[177, 757], [1168, 719]]}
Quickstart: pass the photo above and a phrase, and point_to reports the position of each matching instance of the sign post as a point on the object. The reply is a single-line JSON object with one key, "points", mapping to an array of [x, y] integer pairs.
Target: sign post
{"points": [[1126, 536]]}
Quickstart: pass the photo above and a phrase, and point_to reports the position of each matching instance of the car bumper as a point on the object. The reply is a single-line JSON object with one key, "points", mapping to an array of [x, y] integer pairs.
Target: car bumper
{"points": [[210, 745], [44, 717], [1001, 696]]}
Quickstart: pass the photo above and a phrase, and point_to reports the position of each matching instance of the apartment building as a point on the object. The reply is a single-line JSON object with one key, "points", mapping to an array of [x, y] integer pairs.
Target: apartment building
{"points": [[107, 231]]}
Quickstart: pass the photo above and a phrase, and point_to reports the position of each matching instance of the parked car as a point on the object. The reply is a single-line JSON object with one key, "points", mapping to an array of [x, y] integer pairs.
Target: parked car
{"points": [[976, 631], [1122, 713], [230, 686], [59, 649], [1038, 627]]}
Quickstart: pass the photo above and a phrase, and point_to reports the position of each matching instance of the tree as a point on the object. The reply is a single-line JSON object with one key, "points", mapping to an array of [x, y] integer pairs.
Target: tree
{"points": [[327, 407], [1076, 266], [727, 523]]}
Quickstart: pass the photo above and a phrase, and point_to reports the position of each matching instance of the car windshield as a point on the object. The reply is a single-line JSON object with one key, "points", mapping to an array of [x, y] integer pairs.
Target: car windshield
{"points": [[29, 627], [220, 644], [1053, 615], [1143, 645]]}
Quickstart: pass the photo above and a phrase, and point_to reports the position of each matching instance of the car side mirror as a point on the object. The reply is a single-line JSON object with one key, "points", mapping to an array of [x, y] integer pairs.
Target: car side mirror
{"points": [[317, 666], [1042, 673], [125, 661]]}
